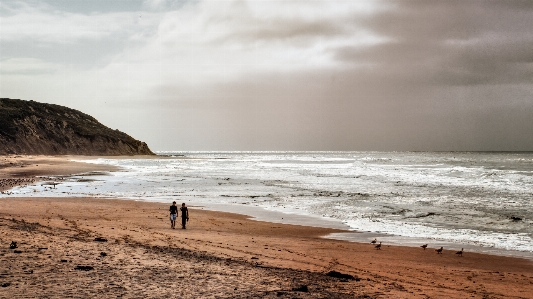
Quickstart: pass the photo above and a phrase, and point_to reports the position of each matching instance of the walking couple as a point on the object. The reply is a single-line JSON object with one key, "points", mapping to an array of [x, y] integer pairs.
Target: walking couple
{"points": [[174, 214]]}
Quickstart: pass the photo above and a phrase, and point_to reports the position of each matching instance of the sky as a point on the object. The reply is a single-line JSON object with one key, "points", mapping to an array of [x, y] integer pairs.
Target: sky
{"points": [[280, 75]]}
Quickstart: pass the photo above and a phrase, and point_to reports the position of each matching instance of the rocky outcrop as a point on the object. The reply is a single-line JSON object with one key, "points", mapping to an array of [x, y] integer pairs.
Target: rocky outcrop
{"points": [[28, 127]]}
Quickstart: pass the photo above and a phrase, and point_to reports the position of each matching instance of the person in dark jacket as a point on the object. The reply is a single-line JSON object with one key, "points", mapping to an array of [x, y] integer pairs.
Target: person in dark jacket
{"points": [[184, 215]]}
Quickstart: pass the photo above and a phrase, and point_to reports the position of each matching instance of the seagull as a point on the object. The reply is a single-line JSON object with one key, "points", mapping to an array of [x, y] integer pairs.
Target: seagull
{"points": [[439, 251], [460, 253], [374, 241], [424, 246], [378, 246]]}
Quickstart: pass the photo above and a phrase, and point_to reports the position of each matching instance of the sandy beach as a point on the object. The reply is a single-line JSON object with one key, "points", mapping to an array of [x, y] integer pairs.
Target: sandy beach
{"points": [[109, 248]]}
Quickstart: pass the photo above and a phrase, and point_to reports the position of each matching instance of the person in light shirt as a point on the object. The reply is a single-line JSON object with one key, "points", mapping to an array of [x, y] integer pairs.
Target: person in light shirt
{"points": [[173, 215]]}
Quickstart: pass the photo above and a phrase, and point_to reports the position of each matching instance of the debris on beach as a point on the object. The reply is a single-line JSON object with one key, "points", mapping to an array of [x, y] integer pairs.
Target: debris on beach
{"points": [[13, 245], [336, 274], [84, 268], [302, 288]]}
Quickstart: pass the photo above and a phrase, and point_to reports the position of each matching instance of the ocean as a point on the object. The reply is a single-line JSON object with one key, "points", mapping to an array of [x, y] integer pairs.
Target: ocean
{"points": [[480, 201]]}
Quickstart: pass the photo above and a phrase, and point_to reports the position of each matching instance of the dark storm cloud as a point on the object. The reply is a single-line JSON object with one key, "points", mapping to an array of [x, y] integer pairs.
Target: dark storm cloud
{"points": [[451, 42]]}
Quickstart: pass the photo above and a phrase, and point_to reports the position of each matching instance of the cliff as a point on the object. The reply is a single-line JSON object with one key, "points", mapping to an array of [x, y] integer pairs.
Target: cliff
{"points": [[28, 127]]}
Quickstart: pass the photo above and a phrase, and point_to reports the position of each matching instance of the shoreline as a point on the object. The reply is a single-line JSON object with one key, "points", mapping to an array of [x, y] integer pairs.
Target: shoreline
{"points": [[364, 237], [37, 167], [222, 255], [75, 165]]}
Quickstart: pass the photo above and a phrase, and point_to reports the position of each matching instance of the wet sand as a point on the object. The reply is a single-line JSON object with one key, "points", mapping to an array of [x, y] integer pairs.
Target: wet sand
{"points": [[219, 255], [16, 170]]}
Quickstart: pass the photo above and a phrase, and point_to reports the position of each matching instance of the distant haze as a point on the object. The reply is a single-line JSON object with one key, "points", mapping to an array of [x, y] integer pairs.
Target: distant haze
{"points": [[281, 75]]}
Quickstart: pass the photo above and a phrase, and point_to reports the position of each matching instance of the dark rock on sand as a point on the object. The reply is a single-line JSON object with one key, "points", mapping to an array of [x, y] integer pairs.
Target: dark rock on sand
{"points": [[32, 128], [100, 239], [13, 245], [340, 275], [302, 288], [84, 268]]}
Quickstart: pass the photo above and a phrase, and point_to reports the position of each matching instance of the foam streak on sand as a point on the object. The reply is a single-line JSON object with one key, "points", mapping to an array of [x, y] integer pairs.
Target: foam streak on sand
{"points": [[220, 255]]}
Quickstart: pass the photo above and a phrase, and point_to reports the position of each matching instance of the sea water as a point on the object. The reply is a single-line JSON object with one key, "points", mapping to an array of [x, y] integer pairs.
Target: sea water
{"points": [[480, 201]]}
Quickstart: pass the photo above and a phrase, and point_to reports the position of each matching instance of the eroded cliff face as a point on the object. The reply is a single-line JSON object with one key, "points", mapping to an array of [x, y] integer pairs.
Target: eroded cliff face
{"points": [[28, 127]]}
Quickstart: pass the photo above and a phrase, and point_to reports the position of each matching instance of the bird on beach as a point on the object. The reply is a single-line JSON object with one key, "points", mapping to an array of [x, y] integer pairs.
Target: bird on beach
{"points": [[439, 251], [460, 253], [378, 246], [424, 246], [374, 241]]}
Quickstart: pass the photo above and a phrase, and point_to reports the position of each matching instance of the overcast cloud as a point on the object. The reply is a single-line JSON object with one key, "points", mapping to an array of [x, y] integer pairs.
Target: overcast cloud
{"points": [[281, 75]]}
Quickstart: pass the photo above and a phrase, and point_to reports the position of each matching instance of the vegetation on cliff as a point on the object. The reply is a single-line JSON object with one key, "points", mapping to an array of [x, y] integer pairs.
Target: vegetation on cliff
{"points": [[28, 127]]}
